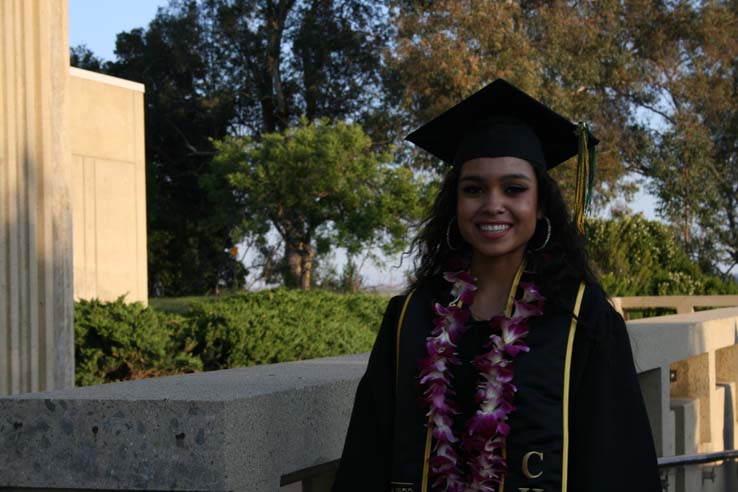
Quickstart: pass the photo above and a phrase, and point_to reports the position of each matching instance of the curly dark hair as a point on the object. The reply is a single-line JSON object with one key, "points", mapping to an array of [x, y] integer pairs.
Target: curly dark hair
{"points": [[563, 261]]}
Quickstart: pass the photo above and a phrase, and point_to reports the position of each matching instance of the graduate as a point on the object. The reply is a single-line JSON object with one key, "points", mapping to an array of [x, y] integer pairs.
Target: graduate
{"points": [[504, 367]]}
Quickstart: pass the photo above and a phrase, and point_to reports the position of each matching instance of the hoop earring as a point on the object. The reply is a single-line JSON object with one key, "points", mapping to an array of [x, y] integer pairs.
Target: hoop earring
{"points": [[548, 235], [448, 235]]}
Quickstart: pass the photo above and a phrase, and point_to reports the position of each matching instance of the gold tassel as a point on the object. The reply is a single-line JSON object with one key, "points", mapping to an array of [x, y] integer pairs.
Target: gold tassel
{"points": [[585, 169]]}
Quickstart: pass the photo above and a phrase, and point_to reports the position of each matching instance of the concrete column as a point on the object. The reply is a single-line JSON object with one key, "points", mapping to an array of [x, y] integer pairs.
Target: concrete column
{"points": [[36, 297]]}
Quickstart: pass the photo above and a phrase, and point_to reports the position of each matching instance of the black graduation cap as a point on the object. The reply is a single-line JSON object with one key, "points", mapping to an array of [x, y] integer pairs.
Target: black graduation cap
{"points": [[501, 120], [498, 119]]}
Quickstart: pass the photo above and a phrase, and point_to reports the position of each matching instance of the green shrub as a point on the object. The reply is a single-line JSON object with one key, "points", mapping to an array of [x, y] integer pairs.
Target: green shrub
{"points": [[114, 341], [117, 341], [281, 325], [635, 256]]}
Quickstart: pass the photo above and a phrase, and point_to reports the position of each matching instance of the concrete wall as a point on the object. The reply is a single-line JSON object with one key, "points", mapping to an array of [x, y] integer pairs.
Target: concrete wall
{"points": [[109, 187], [235, 430], [36, 303], [255, 428], [688, 366]]}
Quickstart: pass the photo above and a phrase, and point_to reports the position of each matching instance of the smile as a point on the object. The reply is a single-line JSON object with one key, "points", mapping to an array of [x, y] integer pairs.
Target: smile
{"points": [[494, 227]]}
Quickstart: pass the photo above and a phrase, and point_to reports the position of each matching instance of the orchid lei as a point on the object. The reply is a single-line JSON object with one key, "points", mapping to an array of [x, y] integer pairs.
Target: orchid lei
{"points": [[478, 451]]}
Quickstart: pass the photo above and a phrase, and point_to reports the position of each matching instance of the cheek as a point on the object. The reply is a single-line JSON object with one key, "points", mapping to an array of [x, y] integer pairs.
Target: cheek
{"points": [[465, 209]]}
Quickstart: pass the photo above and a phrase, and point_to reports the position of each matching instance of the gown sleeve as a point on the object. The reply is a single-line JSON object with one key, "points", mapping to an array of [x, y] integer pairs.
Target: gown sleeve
{"points": [[367, 453], [612, 447]]}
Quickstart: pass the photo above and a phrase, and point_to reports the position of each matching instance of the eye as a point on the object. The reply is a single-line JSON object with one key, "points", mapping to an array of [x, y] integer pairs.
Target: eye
{"points": [[471, 189], [515, 189]]}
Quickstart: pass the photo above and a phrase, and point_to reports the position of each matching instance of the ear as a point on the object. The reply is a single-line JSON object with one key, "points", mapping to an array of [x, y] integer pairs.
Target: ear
{"points": [[539, 214]]}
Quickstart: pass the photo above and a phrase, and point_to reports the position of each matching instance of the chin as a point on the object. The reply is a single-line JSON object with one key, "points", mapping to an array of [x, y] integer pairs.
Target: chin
{"points": [[514, 253]]}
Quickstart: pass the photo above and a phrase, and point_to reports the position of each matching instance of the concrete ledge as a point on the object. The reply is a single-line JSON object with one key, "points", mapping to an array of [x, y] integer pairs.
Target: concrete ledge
{"points": [[244, 429], [234, 430], [659, 341], [106, 79], [682, 304]]}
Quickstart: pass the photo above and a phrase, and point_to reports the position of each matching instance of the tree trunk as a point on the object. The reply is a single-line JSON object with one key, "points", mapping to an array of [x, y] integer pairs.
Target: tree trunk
{"points": [[307, 266], [687, 218], [293, 275], [275, 113]]}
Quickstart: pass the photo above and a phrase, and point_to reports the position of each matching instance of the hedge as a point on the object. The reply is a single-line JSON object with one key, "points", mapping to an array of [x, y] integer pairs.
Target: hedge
{"points": [[117, 341], [281, 325]]}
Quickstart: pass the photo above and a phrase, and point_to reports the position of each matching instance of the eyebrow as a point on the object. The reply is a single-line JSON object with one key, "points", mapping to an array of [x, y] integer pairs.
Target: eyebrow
{"points": [[475, 177]]}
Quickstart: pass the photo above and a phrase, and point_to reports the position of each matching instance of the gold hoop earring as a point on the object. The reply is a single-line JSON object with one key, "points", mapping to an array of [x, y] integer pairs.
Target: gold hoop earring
{"points": [[548, 236], [448, 235]]}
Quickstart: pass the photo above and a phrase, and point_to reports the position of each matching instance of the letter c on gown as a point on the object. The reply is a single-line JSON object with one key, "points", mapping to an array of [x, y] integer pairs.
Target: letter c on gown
{"points": [[526, 464]]}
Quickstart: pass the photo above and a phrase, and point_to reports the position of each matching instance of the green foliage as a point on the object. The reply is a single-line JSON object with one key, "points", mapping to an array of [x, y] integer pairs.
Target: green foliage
{"points": [[573, 56], [116, 341], [175, 305], [282, 325], [320, 186], [692, 161], [221, 66], [638, 257], [656, 80]]}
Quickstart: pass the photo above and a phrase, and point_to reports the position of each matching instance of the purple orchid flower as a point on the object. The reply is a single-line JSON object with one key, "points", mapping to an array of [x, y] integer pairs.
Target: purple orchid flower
{"points": [[482, 467]]}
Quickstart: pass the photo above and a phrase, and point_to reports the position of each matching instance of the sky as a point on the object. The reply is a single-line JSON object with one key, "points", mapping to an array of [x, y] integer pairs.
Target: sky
{"points": [[96, 22]]}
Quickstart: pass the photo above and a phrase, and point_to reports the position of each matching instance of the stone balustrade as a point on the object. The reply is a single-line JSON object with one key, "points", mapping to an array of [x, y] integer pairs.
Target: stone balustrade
{"points": [[253, 429], [682, 304], [688, 369]]}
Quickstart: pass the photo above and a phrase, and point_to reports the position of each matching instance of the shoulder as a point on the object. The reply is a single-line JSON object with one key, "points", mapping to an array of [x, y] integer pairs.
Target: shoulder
{"points": [[415, 299], [598, 316]]}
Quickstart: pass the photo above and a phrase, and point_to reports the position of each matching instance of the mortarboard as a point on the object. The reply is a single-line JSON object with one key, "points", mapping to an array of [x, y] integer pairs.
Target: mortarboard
{"points": [[501, 120]]}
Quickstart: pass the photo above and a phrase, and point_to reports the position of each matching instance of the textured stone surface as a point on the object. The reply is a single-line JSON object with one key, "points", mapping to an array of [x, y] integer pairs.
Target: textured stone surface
{"points": [[36, 305], [240, 429], [687, 344]]}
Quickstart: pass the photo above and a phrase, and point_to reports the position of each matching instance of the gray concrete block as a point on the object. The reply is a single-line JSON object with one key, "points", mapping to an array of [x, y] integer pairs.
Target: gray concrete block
{"points": [[235, 430]]}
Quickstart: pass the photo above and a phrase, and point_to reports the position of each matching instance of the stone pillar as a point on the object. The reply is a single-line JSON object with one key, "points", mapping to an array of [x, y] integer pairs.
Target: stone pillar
{"points": [[36, 297]]}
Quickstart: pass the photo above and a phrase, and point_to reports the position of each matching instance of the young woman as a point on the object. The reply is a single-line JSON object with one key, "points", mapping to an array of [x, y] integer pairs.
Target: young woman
{"points": [[504, 367]]}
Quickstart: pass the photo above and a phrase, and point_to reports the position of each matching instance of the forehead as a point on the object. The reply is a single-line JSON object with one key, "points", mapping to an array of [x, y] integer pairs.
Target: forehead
{"points": [[497, 167]]}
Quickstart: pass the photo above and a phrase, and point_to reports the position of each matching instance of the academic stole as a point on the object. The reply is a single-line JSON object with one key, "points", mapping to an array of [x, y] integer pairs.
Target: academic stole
{"points": [[537, 448]]}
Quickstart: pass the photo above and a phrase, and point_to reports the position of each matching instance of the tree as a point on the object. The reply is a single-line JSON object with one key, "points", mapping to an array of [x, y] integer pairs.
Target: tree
{"points": [[320, 186], [185, 105], [657, 81], [570, 55], [82, 57], [694, 157], [286, 59], [218, 67]]}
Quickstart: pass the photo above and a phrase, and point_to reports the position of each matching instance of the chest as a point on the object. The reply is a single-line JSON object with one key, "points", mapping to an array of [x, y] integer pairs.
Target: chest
{"points": [[535, 450]]}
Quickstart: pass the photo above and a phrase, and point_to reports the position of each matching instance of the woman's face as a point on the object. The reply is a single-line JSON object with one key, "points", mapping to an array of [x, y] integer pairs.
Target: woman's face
{"points": [[497, 206]]}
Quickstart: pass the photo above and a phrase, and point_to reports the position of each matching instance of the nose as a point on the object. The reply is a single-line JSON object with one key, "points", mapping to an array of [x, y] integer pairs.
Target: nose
{"points": [[495, 203]]}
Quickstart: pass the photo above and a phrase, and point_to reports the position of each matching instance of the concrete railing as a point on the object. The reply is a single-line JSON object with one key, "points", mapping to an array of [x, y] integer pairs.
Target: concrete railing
{"points": [[688, 370], [255, 428], [234, 430], [682, 304]]}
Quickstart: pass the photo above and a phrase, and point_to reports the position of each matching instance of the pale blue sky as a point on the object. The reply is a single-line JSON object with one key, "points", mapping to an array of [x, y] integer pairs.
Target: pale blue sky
{"points": [[96, 22]]}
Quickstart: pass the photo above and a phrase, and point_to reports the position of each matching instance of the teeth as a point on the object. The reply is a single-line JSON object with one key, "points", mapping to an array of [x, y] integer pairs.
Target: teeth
{"points": [[494, 227]]}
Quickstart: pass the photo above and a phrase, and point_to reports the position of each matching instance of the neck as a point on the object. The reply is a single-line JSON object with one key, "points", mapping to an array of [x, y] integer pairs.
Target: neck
{"points": [[494, 281]]}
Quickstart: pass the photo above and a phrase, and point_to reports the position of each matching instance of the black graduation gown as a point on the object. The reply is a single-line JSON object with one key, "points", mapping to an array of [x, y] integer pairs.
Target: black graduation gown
{"points": [[610, 442]]}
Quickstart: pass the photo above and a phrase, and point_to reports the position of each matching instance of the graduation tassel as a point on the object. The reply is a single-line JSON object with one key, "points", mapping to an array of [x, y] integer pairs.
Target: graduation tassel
{"points": [[585, 176]]}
